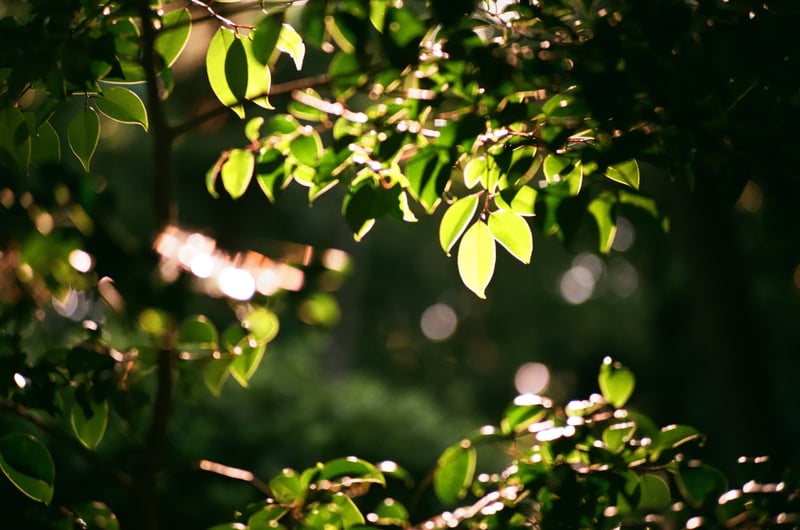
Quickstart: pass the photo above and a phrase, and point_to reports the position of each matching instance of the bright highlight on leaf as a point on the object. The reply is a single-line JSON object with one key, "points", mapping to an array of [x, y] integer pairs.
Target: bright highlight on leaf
{"points": [[291, 43], [456, 219], [174, 34], [602, 208], [625, 173], [83, 135], [237, 171], [122, 105], [616, 382], [90, 429], [511, 231], [476, 258]]}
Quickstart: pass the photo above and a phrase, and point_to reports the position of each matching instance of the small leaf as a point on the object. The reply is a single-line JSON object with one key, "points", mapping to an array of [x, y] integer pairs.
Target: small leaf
{"points": [[270, 172], [511, 231], [306, 149], [267, 517], [347, 510], [476, 258], [197, 335], [122, 105], [83, 135], [252, 130], [265, 36], [237, 171], [625, 173], [602, 208], [27, 463], [561, 169], [90, 430], [526, 410], [521, 201], [391, 512], [616, 436], [456, 219], [262, 324], [244, 364], [287, 488], [291, 43], [454, 473], [428, 172], [174, 34], [354, 469], [215, 373], [616, 382], [474, 171]]}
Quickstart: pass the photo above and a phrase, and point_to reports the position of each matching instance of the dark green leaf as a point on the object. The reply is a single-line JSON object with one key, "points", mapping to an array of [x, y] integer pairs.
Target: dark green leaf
{"points": [[265, 36], [27, 463], [215, 373], [267, 517], [427, 174], [654, 492], [90, 429], [122, 105], [698, 483], [391, 512], [45, 144], [83, 135]]}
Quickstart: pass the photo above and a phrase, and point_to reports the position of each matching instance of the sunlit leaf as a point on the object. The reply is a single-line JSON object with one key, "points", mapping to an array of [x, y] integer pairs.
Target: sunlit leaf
{"points": [[174, 34], [476, 258], [511, 231], [561, 169], [291, 43], [391, 512], [455, 220], [427, 174], [83, 135], [474, 171], [287, 488], [625, 173], [355, 469], [90, 429], [454, 473], [246, 361], [377, 13], [265, 36], [602, 209], [616, 382], [27, 463], [216, 59], [252, 130], [306, 148], [122, 105], [269, 171], [197, 335], [521, 201], [524, 411], [262, 324], [237, 171], [673, 436], [616, 436]]}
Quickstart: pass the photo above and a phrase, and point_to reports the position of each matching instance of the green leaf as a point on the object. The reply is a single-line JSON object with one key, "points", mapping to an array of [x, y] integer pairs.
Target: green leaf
{"points": [[625, 173], [353, 469], [252, 130], [270, 172], [456, 219], [237, 171], [176, 27], [476, 258], [561, 169], [122, 105], [617, 435], [602, 208], [697, 483], [267, 517], [90, 430], [307, 148], [654, 492], [265, 36], [15, 141], [83, 135], [427, 174], [287, 488], [616, 382], [197, 335], [347, 510], [100, 515], [673, 436], [454, 473], [474, 171], [215, 373], [511, 231], [521, 201], [45, 144], [27, 463], [262, 324], [216, 67], [391, 512], [246, 362], [526, 410], [291, 43]]}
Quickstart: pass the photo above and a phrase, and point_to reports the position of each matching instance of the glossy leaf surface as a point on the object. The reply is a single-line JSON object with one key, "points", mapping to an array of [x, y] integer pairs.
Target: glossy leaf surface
{"points": [[122, 105]]}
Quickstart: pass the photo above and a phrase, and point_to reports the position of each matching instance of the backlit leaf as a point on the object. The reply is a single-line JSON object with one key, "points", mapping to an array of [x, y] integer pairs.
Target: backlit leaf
{"points": [[511, 231], [454, 473], [27, 463], [354, 469], [267, 517], [265, 36], [216, 59], [262, 324], [616, 382], [602, 208], [427, 174], [306, 149], [291, 43], [252, 130], [197, 335], [83, 135], [474, 171], [90, 430], [215, 373], [174, 34], [625, 173], [286, 487], [521, 201], [391, 512], [476, 258], [246, 361], [122, 105], [561, 169], [237, 171], [347, 510], [456, 219], [269, 171]]}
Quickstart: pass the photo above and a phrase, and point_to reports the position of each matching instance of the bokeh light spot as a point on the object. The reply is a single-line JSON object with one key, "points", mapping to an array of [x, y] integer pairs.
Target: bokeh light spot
{"points": [[237, 283], [81, 261], [438, 322], [532, 378], [625, 235]]}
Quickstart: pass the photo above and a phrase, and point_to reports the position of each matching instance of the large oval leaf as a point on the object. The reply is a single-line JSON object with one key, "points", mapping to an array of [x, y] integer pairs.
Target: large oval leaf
{"points": [[216, 57], [174, 34], [122, 105], [90, 429], [455, 470], [83, 135], [625, 173], [476, 258], [456, 219], [511, 231], [27, 463], [237, 171]]}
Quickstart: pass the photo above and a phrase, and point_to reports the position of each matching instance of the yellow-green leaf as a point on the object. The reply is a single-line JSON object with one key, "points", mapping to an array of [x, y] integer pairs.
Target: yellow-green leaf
{"points": [[246, 361], [83, 135], [122, 105], [456, 219], [616, 382], [174, 34], [602, 208], [237, 171], [291, 43], [265, 36], [473, 171], [90, 429], [511, 231], [455, 470], [476, 258], [216, 58], [625, 173]]}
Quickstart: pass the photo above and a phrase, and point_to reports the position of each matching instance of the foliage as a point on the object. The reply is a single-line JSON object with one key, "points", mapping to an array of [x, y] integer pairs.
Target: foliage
{"points": [[496, 114]]}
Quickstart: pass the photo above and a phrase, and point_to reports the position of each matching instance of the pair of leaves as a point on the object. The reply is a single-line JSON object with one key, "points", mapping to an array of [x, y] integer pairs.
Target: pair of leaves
{"points": [[476, 253]]}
